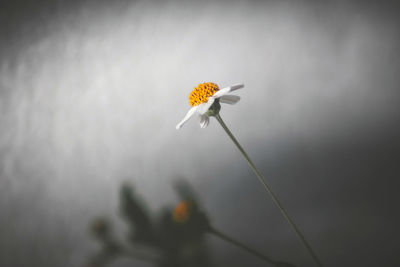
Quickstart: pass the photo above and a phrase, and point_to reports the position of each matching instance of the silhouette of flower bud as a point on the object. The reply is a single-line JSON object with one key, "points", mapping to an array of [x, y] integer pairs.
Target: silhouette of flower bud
{"points": [[100, 228], [183, 211]]}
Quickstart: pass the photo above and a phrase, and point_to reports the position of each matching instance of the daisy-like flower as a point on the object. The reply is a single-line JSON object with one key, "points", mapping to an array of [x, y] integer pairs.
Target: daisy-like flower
{"points": [[205, 99]]}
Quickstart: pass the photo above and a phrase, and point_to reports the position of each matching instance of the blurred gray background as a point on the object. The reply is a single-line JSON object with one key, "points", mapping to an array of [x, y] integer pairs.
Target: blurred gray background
{"points": [[91, 91]]}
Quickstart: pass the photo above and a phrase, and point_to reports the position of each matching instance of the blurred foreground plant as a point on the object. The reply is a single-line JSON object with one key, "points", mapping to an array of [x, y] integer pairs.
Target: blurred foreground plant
{"points": [[176, 238]]}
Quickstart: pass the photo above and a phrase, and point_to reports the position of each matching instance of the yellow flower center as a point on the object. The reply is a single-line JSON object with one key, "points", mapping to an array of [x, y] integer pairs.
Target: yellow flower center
{"points": [[201, 93], [182, 211]]}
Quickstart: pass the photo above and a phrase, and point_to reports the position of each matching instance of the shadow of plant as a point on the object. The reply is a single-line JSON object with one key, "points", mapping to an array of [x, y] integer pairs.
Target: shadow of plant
{"points": [[175, 238]]}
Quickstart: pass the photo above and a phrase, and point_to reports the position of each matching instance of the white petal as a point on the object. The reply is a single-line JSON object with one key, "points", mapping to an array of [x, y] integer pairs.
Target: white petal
{"points": [[229, 99], [236, 86], [188, 115], [227, 90], [222, 92], [204, 121], [203, 108]]}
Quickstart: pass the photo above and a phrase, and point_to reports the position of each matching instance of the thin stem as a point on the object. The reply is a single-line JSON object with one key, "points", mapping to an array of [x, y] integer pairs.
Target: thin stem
{"points": [[240, 245], [268, 189]]}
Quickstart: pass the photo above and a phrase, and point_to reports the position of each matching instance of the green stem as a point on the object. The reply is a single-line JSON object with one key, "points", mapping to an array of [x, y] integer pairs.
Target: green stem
{"points": [[268, 189], [244, 247]]}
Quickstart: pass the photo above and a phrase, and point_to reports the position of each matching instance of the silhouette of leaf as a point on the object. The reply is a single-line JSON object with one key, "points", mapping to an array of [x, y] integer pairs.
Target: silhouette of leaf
{"points": [[136, 215]]}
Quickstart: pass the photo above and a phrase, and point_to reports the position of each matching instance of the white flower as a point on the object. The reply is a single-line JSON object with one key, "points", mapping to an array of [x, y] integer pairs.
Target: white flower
{"points": [[204, 96]]}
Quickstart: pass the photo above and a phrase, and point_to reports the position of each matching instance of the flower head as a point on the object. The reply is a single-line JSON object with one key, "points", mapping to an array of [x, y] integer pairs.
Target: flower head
{"points": [[182, 211], [205, 99]]}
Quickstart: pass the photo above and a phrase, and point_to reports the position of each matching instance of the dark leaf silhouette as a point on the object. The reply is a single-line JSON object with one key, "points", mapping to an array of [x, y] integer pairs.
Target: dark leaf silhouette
{"points": [[136, 216]]}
